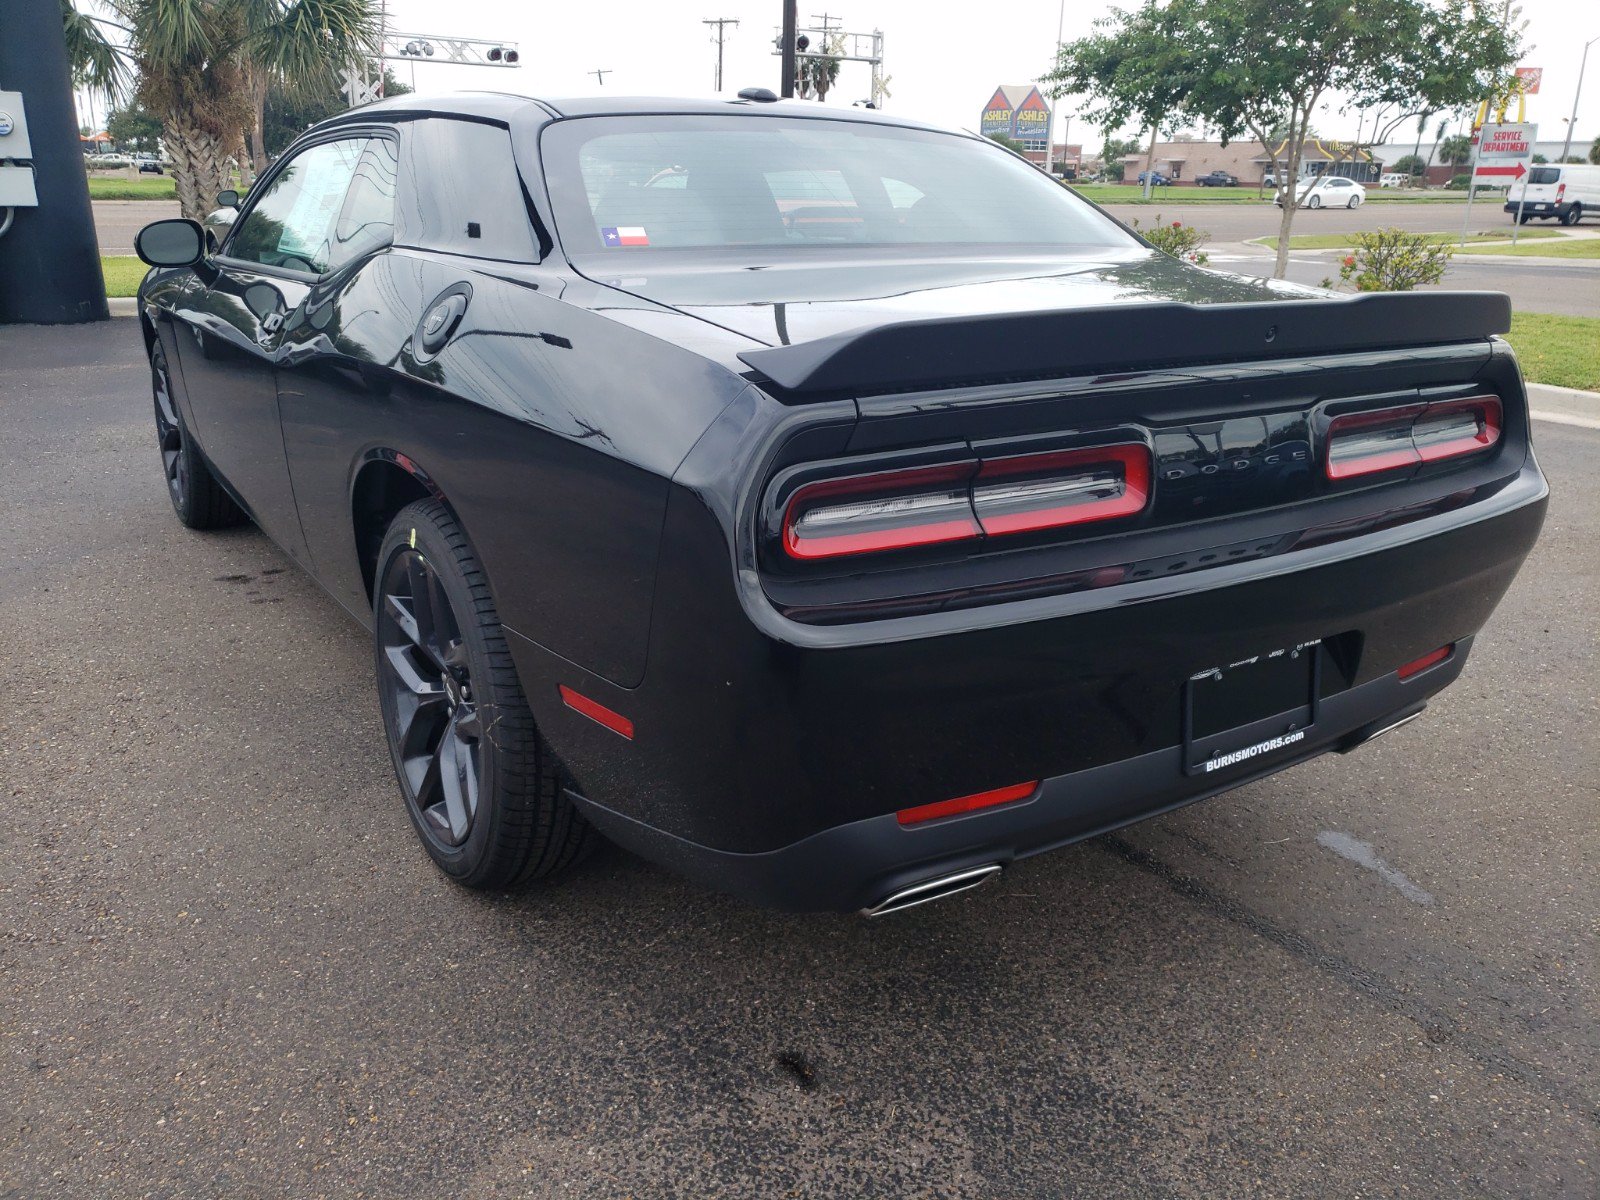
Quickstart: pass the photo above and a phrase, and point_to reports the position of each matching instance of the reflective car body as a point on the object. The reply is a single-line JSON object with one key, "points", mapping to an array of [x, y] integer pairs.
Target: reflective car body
{"points": [[633, 443]]}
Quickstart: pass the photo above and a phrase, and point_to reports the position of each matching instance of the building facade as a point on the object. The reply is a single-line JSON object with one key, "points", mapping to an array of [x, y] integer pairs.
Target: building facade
{"points": [[1250, 162]]}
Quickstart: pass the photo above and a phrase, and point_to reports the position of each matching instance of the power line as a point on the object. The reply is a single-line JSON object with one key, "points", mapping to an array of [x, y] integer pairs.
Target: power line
{"points": [[720, 23]]}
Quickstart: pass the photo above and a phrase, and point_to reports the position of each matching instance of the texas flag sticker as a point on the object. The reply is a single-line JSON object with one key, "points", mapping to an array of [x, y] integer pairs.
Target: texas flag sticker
{"points": [[624, 235]]}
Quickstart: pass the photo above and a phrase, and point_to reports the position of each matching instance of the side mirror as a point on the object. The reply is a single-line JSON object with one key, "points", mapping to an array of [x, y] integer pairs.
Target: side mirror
{"points": [[175, 243], [228, 199]]}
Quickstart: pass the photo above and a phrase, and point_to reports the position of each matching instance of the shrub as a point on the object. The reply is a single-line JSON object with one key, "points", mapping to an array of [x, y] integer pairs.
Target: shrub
{"points": [[1177, 239], [1392, 260], [1459, 183]]}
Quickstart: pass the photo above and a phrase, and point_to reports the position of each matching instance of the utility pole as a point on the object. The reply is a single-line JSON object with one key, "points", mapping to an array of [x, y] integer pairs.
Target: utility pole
{"points": [[49, 261], [1566, 147], [600, 75], [719, 22], [791, 21]]}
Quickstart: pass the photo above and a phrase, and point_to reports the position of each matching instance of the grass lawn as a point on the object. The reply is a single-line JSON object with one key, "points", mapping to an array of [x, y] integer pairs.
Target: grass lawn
{"points": [[1338, 241], [150, 187], [1573, 248], [1133, 193], [1563, 351], [123, 273]]}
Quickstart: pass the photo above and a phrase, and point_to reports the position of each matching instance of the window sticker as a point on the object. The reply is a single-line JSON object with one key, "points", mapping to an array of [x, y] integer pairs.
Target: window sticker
{"points": [[624, 235]]}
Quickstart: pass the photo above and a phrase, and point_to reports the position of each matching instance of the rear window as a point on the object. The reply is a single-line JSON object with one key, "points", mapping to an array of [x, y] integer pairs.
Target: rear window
{"points": [[1545, 175], [622, 185]]}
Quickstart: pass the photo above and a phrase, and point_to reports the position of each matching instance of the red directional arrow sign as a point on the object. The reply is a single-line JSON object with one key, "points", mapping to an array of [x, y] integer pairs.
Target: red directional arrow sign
{"points": [[1516, 172]]}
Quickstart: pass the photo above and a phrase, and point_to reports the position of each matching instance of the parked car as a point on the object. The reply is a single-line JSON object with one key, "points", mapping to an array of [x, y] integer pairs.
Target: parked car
{"points": [[109, 161], [1394, 179], [1157, 179], [1565, 192], [838, 558], [1217, 179], [149, 164], [1327, 191]]}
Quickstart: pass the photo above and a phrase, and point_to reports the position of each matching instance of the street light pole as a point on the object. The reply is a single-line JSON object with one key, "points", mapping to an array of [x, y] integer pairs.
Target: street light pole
{"points": [[1050, 127], [1566, 147]]}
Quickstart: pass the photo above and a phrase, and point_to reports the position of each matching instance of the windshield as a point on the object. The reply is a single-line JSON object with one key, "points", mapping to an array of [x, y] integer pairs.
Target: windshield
{"points": [[622, 186]]}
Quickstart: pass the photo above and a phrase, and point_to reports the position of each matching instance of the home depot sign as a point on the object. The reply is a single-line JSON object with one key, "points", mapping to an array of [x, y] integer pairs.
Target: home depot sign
{"points": [[1504, 152]]}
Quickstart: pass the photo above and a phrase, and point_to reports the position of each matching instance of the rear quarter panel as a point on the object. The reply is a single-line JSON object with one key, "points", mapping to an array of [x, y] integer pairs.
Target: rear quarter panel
{"points": [[550, 429]]}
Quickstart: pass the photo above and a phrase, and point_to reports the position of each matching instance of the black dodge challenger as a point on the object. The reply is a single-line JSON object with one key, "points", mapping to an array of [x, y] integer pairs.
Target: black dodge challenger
{"points": [[829, 507]]}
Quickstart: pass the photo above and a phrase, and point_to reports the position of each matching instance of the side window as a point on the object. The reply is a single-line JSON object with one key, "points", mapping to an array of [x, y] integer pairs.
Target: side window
{"points": [[367, 219], [460, 191], [295, 223]]}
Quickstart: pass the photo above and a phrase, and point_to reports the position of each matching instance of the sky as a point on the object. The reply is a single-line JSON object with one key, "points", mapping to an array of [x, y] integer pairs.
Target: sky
{"points": [[943, 62]]}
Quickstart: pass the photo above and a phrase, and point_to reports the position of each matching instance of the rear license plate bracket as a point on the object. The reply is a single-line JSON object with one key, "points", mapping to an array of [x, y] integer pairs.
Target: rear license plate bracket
{"points": [[1252, 710]]}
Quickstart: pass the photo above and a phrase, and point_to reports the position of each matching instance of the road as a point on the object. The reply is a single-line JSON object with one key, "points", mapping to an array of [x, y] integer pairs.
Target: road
{"points": [[1572, 288], [1569, 287], [227, 969]]}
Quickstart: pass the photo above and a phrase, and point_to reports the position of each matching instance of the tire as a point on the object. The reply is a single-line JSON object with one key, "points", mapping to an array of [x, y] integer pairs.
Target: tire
{"points": [[1355, 202], [1573, 215], [196, 496], [1314, 202], [488, 808]]}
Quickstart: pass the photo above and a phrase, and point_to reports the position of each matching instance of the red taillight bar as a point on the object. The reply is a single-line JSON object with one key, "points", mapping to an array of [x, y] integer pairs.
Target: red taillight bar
{"points": [[1365, 443], [887, 511], [963, 804], [596, 711], [1431, 659], [924, 506]]}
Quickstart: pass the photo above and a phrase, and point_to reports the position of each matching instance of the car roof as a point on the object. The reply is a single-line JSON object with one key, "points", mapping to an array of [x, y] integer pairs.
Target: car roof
{"points": [[504, 106]]}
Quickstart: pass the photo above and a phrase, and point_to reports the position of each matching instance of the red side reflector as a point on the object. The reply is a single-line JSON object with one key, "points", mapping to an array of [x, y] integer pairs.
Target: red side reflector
{"points": [[961, 804], [596, 711], [1431, 659]]}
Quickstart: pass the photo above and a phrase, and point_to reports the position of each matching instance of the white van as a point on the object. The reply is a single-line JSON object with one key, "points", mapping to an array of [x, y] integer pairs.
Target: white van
{"points": [[1568, 191], [1394, 179]]}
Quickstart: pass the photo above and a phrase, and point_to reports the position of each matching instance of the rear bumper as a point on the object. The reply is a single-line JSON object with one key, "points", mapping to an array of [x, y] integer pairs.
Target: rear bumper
{"points": [[1534, 208], [859, 864]]}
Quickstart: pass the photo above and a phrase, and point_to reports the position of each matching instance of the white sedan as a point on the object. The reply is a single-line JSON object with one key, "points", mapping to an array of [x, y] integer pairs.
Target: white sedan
{"points": [[1328, 191]]}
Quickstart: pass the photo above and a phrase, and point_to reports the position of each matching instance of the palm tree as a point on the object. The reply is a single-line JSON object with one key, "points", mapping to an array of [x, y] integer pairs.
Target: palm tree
{"points": [[201, 64]]}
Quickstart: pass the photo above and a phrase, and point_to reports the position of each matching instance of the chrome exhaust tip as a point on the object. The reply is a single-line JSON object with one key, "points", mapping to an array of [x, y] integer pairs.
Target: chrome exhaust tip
{"points": [[933, 889], [1368, 739]]}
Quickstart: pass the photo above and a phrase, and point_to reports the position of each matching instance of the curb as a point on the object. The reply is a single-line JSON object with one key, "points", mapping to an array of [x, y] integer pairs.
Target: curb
{"points": [[123, 306], [1564, 406]]}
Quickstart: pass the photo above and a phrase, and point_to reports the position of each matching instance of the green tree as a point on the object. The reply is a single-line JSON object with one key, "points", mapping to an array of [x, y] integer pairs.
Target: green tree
{"points": [[1115, 149], [815, 74], [286, 115], [199, 64], [1411, 164], [134, 128], [1010, 143], [1260, 66], [1594, 151], [1456, 151], [1130, 69]]}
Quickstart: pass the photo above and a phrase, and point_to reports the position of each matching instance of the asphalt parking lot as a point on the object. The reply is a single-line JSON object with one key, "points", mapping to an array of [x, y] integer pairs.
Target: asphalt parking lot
{"points": [[227, 969]]}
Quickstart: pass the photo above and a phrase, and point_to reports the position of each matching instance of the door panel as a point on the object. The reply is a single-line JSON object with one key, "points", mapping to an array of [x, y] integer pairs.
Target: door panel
{"points": [[226, 349], [288, 238]]}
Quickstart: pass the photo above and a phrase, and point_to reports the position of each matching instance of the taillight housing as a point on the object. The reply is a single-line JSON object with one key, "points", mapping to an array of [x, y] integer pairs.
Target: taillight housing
{"points": [[969, 500], [1388, 439]]}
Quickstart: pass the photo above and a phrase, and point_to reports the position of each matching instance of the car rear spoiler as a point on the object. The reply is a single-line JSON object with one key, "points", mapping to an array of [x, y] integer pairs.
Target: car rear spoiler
{"points": [[951, 350]]}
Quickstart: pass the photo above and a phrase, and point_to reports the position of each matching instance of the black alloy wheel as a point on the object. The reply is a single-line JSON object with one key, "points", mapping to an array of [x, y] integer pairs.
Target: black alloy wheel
{"points": [[484, 791], [427, 684], [169, 431], [197, 497]]}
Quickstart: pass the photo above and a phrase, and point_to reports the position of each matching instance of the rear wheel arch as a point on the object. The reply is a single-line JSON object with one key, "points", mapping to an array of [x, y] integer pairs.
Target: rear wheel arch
{"points": [[384, 484]]}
